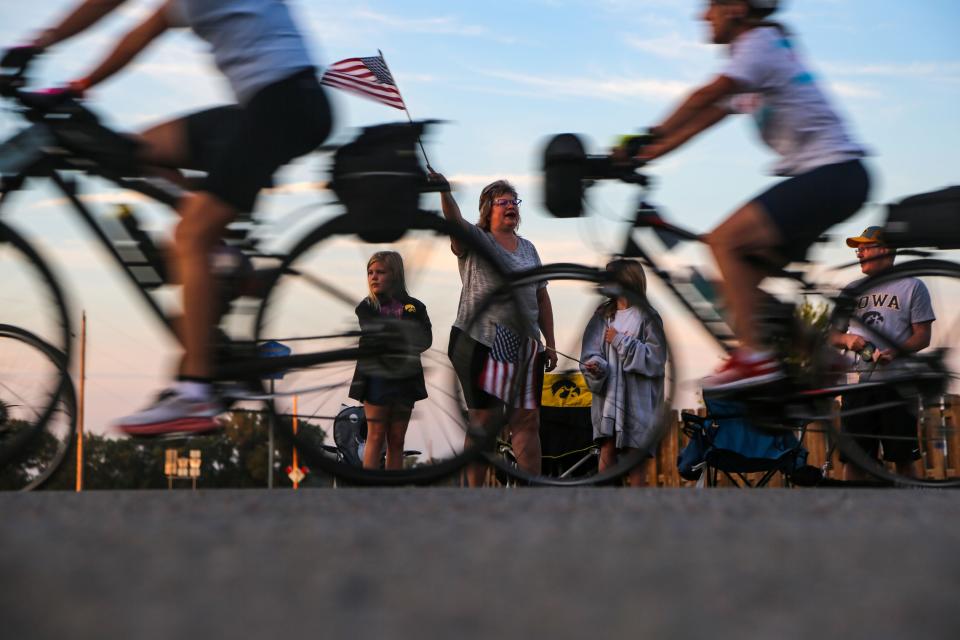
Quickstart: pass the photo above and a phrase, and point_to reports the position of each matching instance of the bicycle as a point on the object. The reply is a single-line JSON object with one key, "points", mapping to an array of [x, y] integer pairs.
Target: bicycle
{"points": [[303, 296], [808, 396]]}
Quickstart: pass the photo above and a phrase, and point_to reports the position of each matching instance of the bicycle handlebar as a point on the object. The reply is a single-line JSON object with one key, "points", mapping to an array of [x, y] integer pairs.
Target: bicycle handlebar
{"points": [[568, 170]]}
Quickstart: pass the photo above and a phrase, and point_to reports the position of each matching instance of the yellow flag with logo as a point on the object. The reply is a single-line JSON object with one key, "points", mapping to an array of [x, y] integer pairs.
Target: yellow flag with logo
{"points": [[566, 390]]}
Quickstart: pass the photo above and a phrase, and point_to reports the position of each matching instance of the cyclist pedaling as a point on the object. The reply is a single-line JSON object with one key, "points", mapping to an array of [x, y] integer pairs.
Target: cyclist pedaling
{"points": [[281, 113], [825, 183]]}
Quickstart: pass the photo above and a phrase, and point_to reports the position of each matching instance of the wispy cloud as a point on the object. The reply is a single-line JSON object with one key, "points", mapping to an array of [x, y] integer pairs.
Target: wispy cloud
{"points": [[609, 88], [945, 71], [341, 26], [482, 180], [672, 46], [443, 25], [854, 90]]}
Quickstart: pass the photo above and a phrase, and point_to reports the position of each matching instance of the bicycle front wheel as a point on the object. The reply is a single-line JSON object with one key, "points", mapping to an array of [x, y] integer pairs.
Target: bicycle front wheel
{"points": [[37, 416], [898, 418], [370, 395], [591, 429]]}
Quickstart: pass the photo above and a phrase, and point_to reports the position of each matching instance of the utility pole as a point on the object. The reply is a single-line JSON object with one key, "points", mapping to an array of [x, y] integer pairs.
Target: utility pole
{"points": [[80, 400], [296, 466]]}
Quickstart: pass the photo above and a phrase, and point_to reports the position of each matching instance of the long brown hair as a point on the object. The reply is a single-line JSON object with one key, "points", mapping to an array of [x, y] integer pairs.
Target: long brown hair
{"points": [[394, 264], [630, 275], [490, 193]]}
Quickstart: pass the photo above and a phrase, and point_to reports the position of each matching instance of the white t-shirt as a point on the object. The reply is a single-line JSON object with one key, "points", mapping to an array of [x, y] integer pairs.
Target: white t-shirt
{"points": [[794, 117], [254, 42], [627, 321]]}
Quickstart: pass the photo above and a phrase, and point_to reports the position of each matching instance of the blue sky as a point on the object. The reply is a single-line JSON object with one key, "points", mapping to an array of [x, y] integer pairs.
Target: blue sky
{"points": [[506, 75]]}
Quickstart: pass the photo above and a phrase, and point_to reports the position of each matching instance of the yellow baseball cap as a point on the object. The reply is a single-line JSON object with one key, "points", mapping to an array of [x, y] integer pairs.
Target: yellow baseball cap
{"points": [[870, 235]]}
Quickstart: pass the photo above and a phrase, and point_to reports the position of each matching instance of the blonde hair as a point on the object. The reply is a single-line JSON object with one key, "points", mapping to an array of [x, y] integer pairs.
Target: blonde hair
{"points": [[629, 274], [394, 264], [490, 193]]}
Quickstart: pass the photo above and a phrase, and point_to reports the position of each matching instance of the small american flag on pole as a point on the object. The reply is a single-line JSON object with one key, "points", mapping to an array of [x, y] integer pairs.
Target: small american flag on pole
{"points": [[510, 370], [367, 77]]}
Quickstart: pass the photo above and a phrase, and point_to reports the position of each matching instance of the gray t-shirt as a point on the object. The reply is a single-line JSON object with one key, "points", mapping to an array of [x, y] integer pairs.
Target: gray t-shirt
{"points": [[254, 42], [889, 311], [794, 117], [479, 280]]}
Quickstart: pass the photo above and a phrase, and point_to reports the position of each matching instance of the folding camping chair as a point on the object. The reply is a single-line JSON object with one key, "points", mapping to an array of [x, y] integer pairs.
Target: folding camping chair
{"points": [[566, 433], [724, 442]]}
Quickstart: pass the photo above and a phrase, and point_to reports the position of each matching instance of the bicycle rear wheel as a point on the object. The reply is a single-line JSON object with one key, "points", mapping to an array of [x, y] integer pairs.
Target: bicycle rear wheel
{"points": [[37, 409], [922, 388], [311, 308], [567, 439]]}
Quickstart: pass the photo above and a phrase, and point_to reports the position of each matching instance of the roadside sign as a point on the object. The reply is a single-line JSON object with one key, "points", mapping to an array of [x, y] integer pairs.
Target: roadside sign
{"points": [[296, 475]]}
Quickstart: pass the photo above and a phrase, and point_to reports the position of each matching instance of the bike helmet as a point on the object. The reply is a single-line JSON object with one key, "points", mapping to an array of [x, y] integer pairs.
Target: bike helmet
{"points": [[763, 8]]}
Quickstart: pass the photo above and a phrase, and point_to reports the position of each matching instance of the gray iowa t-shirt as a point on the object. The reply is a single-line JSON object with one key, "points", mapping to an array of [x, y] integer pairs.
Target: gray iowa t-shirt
{"points": [[886, 314]]}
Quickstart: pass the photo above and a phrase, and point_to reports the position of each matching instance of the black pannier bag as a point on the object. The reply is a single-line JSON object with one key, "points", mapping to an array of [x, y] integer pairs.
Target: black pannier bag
{"points": [[925, 220], [378, 177]]}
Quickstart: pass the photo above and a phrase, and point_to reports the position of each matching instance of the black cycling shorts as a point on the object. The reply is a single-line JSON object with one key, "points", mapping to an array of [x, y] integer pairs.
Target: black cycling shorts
{"points": [[804, 206], [240, 147]]}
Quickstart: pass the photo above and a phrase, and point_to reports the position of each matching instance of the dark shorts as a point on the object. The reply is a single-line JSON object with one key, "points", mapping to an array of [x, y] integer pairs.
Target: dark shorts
{"points": [[387, 392], [240, 147], [804, 206], [895, 428], [468, 357]]}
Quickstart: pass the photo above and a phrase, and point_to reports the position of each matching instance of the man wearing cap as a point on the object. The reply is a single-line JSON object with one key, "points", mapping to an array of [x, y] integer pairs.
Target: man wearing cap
{"points": [[894, 312]]}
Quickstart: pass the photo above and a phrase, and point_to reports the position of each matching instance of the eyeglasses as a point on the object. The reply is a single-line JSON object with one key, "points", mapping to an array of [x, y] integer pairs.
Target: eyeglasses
{"points": [[502, 202], [864, 247]]}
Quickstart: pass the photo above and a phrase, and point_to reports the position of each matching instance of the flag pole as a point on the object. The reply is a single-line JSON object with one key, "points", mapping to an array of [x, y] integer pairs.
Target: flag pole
{"points": [[420, 142]]}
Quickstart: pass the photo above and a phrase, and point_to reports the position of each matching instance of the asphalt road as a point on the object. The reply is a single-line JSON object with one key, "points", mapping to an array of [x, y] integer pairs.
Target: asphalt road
{"points": [[448, 563]]}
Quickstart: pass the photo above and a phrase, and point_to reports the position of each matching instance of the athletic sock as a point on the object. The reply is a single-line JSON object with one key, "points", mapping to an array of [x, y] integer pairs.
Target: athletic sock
{"points": [[748, 355], [194, 390]]}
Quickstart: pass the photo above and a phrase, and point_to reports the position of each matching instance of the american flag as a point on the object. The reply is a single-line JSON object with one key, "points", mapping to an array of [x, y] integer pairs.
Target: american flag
{"points": [[510, 370], [368, 77]]}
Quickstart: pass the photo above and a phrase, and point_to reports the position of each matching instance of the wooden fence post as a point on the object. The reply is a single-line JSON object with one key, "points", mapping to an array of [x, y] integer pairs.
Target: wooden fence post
{"points": [[951, 421]]}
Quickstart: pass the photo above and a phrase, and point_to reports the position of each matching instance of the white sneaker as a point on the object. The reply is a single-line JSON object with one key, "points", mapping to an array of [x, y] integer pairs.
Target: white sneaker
{"points": [[173, 413]]}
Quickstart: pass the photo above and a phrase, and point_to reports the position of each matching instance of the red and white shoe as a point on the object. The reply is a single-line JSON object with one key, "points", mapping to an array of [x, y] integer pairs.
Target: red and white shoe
{"points": [[173, 414], [743, 370]]}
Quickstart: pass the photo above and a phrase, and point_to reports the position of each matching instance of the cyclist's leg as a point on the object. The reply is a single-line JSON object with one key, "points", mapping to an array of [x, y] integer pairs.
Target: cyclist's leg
{"points": [[779, 224], [283, 121], [204, 216], [194, 141], [748, 232]]}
